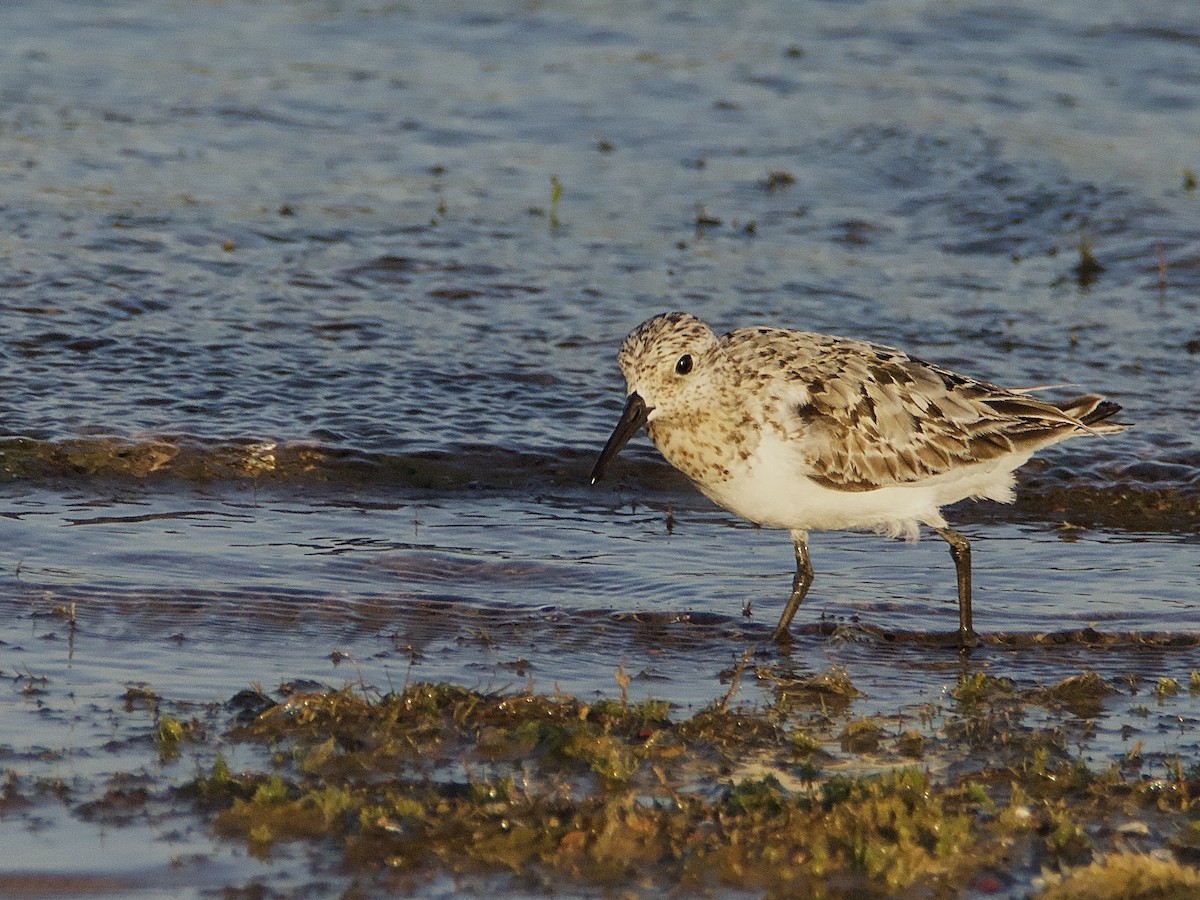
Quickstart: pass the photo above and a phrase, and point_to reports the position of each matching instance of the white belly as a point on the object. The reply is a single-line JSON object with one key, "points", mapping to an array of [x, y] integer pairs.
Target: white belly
{"points": [[772, 490]]}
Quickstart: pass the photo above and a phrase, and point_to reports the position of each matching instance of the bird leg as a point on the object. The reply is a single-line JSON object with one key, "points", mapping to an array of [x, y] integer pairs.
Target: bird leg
{"points": [[960, 552], [800, 586]]}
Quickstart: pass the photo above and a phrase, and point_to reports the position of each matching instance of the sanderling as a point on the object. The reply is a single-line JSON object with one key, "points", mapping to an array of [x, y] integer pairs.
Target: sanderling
{"points": [[811, 432]]}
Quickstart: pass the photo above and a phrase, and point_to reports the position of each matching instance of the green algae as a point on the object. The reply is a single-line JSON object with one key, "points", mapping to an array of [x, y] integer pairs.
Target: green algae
{"points": [[978, 689], [861, 736], [610, 792], [1081, 695], [439, 778], [1166, 687], [1126, 876], [1049, 495]]}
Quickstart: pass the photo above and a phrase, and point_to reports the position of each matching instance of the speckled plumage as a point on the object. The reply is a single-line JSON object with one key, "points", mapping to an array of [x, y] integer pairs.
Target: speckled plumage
{"points": [[810, 432]]}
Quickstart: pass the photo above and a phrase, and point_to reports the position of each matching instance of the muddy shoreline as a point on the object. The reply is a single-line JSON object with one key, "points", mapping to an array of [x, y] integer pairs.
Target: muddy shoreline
{"points": [[992, 790]]}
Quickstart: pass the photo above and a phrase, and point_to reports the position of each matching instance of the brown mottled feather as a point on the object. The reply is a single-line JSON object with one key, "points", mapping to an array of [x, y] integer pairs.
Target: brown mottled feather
{"points": [[864, 416]]}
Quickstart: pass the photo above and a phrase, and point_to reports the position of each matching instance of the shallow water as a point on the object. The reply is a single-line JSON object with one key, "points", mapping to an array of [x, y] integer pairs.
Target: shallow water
{"points": [[305, 367]]}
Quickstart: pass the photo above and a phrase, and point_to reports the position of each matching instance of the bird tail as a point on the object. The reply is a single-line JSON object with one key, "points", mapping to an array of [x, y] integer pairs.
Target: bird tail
{"points": [[1093, 411]]}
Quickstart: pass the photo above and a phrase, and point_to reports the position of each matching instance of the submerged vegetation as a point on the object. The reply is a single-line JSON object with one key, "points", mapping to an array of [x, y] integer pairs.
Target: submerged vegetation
{"points": [[788, 799]]}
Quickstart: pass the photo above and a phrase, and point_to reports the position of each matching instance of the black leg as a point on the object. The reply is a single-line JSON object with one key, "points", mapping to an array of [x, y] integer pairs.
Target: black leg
{"points": [[800, 586], [960, 551]]}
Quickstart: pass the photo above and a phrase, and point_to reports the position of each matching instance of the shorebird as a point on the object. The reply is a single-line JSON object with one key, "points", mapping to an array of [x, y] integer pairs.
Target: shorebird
{"points": [[808, 432]]}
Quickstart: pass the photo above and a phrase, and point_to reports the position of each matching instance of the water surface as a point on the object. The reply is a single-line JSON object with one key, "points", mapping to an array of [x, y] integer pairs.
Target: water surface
{"points": [[305, 366]]}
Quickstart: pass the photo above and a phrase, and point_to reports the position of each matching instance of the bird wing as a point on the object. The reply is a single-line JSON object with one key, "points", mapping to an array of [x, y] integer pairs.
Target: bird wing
{"points": [[863, 416]]}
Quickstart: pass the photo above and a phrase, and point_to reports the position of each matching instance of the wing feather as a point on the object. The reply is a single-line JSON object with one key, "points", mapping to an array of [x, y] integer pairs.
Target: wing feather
{"points": [[864, 416]]}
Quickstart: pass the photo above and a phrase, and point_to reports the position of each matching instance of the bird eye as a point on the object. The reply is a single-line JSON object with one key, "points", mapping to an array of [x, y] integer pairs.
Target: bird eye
{"points": [[684, 365]]}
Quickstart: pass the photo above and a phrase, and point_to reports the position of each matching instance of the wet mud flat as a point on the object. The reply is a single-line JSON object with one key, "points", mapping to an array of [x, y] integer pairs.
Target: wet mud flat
{"points": [[357, 791], [275, 669], [289, 670], [856, 762]]}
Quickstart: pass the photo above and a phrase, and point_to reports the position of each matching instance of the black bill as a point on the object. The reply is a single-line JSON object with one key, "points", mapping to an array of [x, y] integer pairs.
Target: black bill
{"points": [[633, 418]]}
